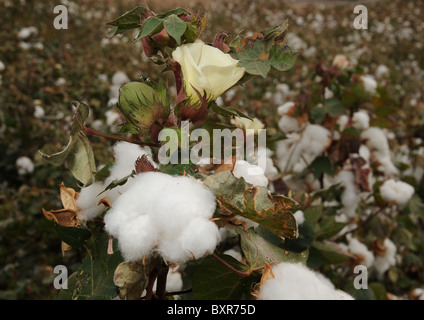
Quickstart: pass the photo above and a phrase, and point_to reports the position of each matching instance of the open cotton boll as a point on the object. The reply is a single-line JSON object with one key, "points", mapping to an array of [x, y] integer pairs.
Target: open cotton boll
{"points": [[126, 154], [358, 248], [397, 191], [119, 78], [350, 194], [294, 281], [361, 120], [166, 214], [376, 141], [369, 83], [24, 165], [251, 173], [383, 263]]}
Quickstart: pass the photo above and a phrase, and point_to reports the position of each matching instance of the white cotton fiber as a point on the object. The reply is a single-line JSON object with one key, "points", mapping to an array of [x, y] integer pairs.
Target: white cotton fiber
{"points": [[397, 191], [166, 214], [251, 173], [299, 216], [369, 83], [376, 141], [126, 154], [294, 281], [350, 195], [383, 263], [361, 120], [358, 248], [24, 165]]}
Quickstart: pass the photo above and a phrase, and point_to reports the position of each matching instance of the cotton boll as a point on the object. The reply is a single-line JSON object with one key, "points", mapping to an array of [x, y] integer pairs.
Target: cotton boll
{"points": [[2, 66], [294, 281], [178, 210], [350, 194], [369, 83], [24, 165], [361, 120], [376, 141], [119, 78], [397, 191], [283, 109], [251, 173], [381, 71], [38, 112], [288, 124], [358, 248], [383, 263], [26, 32]]}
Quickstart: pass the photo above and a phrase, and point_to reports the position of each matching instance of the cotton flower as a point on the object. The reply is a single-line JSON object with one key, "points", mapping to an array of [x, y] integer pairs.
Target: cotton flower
{"points": [[166, 214], [125, 155], [251, 173], [206, 68], [383, 262], [397, 191], [294, 281], [24, 165]]}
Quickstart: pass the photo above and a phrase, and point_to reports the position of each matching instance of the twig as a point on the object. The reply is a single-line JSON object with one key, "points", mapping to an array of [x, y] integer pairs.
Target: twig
{"points": [[114, 137]]}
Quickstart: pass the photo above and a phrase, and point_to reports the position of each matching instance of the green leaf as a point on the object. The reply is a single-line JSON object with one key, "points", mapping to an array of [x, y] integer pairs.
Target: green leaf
{"points": [[151, 26], [94, 278], [118, 182], [236, 197], [259, 251], [80, 160], [228, 111], [177, 169], [175, 27], [329, 227], [129, 20], [176, 12], [321, 165], [78, 155], [334, 107], [326, 252], [313, 214], [73, 236], [212, 281], [282, 58]]}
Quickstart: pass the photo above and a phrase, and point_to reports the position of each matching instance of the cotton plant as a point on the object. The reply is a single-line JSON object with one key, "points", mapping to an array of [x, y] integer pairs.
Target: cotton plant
{"points": [[140, 216]]}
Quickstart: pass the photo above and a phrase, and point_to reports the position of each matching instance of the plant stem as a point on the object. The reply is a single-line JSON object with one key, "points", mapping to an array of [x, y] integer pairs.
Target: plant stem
{"points": [[231, 268], [149, 289], [115, 137], [161, 283]]}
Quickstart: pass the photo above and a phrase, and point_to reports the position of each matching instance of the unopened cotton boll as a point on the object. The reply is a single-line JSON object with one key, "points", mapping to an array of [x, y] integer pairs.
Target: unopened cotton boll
{"points": [[24, 165], [166, 214], [397, 191], [251, 173], [294, 281]]}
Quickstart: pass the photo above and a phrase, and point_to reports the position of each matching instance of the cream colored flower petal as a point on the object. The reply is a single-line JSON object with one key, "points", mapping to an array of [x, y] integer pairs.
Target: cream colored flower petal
{"points": [[221, 78]]}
